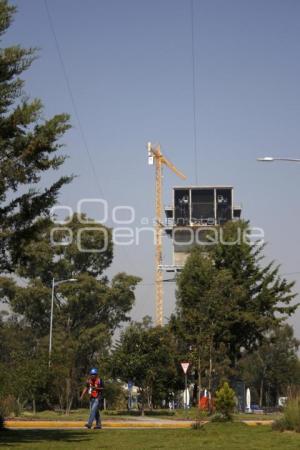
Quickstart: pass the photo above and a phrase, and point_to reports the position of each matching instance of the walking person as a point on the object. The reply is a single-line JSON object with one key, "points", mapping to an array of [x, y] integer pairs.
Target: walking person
{"points": [[94, 387]]}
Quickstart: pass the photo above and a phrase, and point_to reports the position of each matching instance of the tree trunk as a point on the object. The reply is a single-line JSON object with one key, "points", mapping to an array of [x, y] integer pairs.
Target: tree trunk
{"points": [[69, 405], [61, 402], [199, 377], [150, 405], [34, 406], [210, 370], [261, 392], [18, 408], [210, 378], [69, 396], [142, 403]]}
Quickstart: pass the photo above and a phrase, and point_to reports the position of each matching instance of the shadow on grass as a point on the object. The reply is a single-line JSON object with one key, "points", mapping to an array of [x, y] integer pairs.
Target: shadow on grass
{"points": [[8, 438]]}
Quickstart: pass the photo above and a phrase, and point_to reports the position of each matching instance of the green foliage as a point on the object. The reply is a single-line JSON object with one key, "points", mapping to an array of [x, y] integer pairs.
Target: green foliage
{"points": [[23, 366], [291, 417], [44, 257], [9, 406], [274, 368], [219, 418], [225, 401], [29, 147], [86, 315], [145, 355], [227, 301], [85, 309], [115, 395]]}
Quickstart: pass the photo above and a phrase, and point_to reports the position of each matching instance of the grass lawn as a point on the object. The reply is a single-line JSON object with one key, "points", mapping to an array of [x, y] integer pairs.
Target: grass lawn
{"points": [[234, 436], [81, 414]]}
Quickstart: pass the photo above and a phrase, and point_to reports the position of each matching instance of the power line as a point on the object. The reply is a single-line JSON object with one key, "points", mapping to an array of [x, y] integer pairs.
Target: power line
{"points": [[65, 74], [194, 92]]}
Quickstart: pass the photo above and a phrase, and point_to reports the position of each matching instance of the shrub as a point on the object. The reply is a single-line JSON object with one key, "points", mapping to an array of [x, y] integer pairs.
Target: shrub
{"points": [[115, 396], [198, 425], [225, 402], [291, 417], [279, 425], [9, 406], [219, 417]]}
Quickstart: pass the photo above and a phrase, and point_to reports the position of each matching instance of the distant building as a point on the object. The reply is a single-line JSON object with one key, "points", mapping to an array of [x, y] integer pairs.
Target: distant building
{"points": [[195, 210]]}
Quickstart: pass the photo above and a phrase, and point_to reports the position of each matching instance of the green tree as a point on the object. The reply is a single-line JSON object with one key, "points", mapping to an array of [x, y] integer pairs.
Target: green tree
{"points": [[225, 401], [29, 147], [273, 370], [268, 298], [226, 301], [86, 313], [206, 300], [23, 365], [145, 355]]}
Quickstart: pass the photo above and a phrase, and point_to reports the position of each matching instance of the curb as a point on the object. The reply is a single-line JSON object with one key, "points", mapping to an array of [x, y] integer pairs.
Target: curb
{"points": [[10, 424], [75, 424], [254, 423]]}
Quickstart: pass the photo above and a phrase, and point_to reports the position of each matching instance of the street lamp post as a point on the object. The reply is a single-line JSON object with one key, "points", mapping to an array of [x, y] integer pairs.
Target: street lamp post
{"points": [[54, 284]]}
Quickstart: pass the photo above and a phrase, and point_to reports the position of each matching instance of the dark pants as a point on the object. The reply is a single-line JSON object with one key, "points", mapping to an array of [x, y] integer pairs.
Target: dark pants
{"points": [[94, 412]]}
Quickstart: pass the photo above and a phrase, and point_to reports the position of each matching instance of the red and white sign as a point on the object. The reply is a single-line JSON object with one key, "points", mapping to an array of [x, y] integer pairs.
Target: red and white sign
{"points": [[185, 366]]}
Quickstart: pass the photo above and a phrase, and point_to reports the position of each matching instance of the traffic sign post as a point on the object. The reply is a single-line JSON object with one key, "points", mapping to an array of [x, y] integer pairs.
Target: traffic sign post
{"points": [[185, 366]]}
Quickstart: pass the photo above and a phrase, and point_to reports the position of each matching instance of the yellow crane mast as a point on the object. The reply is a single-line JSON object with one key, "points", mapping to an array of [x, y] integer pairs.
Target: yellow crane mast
{"points": [[155, 156]]}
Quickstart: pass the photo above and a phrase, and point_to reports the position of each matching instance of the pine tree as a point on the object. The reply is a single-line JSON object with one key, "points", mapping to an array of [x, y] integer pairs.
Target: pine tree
{"points": [[225, 401], [228, 299], [29, 147]]}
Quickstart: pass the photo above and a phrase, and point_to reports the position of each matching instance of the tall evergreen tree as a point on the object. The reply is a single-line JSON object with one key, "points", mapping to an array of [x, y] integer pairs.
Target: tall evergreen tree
{"points": [[227, 299], [29, 147]]}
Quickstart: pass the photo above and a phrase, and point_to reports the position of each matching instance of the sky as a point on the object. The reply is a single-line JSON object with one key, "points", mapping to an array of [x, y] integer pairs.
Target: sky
{"points": [[124, 70]]}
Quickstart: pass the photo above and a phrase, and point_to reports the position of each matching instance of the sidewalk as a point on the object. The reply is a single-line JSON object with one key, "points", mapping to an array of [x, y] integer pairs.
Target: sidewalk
{"points": [[138, 423]]}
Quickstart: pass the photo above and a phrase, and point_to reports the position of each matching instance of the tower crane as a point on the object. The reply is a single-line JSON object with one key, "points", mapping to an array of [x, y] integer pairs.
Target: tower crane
{"points": [[156, 157]]}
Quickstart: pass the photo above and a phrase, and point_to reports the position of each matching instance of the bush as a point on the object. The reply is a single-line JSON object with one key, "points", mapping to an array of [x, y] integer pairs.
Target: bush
{"points": [[279, 425], [225, 402], [219, 417], [9, 406], [291, 417], [115, 396], [198, 425]]}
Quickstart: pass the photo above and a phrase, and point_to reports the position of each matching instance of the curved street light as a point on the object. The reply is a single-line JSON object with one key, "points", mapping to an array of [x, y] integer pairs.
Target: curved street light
{"points": [[271, 159], [54, 284]]}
